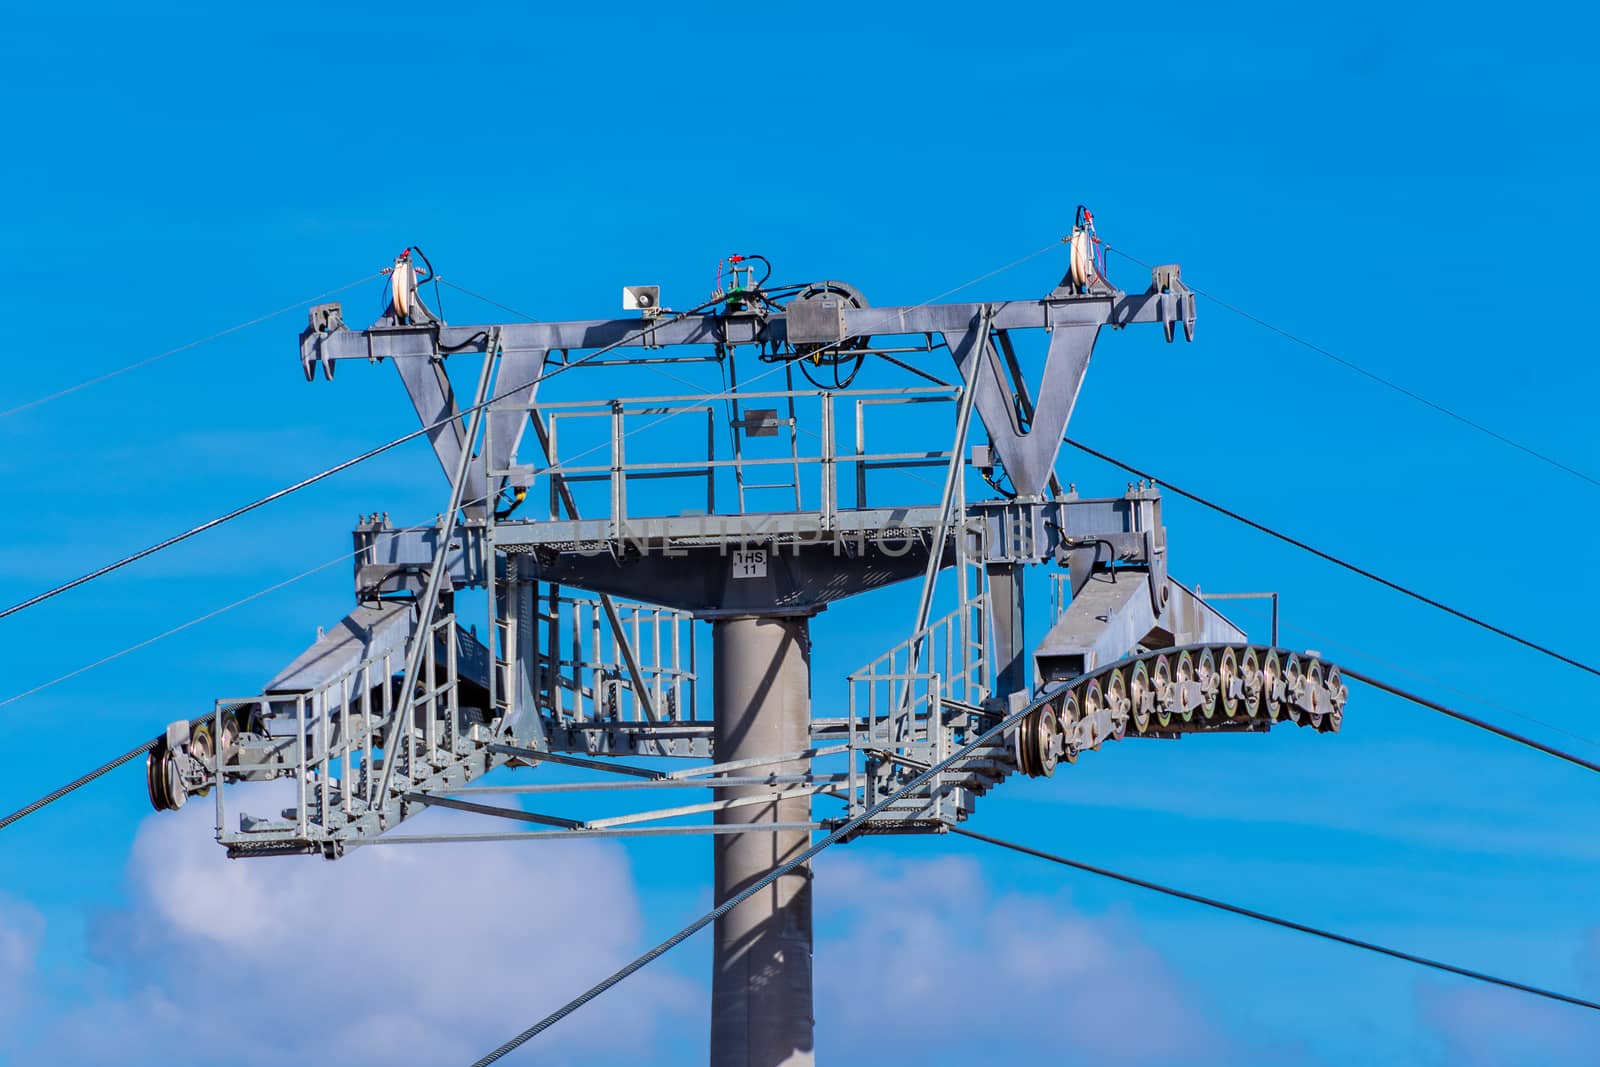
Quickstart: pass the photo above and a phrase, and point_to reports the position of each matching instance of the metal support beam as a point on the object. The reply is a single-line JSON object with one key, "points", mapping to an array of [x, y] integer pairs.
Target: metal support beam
{"points": [[1006, 605], [761, 1014], [402, 712], [965, 347], [1029, 455]]}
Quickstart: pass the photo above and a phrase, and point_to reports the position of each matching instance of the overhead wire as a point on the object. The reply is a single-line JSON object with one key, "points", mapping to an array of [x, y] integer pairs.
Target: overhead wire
{"points": [[1385, 382], [968, 751], [1337, 561], [1331, 642], [158, 357], [372, 453], [1287, 924], [83, 780], [1471, 720], [486, 300], [197, 620]]}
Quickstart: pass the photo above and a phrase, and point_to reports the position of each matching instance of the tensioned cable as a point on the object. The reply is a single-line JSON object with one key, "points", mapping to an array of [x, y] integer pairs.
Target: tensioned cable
{"points": [[158, 357], [1329, 557], [413, 435], [1471, 720], [84, 780], [197, 620], [78, 783], [1287, 924], [486, 300], [966, 752], [1331, 642], [1381, 380], [962, 754]]}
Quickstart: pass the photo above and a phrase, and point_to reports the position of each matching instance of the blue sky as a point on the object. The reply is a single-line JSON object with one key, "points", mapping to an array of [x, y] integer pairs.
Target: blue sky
{"points": [[1406, 189]]}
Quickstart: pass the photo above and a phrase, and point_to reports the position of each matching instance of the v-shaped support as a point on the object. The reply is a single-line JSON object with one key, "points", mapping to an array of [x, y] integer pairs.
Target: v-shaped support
{"points": [[1028, 456], [431, 394]]}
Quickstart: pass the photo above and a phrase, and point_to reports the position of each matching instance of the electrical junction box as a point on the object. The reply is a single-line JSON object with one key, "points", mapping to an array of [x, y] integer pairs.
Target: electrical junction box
{"points": [[816, 321]]}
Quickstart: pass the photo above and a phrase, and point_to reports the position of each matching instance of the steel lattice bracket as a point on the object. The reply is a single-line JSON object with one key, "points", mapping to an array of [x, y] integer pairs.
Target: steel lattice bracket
{"points": [[1152, 694]]}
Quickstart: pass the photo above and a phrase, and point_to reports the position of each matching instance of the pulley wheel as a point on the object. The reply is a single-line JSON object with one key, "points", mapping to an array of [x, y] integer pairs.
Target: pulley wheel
{"points": [[1293, 681], [203, 747], [1250, 675], [1048, 732], [1312, 719], [1068, 715], [1182, 674], [1271, 675], [1227, 675], [1116, 697], [1338, 693], [1139, 693], [1094, 702], [1205, 672], [1161, 687]]}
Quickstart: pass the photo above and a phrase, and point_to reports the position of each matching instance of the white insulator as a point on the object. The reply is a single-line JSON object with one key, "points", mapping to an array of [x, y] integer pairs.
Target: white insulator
{"points": [[1082, 258], [401, 282]]}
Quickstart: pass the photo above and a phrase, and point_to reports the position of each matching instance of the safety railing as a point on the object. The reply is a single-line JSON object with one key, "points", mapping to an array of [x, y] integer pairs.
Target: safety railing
{"points": [[585, 675], [688, 447], [334, 741], [900, 716]]}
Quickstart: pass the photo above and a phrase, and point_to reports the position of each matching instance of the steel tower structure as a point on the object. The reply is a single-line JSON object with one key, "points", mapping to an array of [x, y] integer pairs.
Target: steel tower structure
{"points": [[639, 518]]}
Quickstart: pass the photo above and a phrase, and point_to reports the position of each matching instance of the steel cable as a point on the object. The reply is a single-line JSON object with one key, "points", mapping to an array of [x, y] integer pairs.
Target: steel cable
{"points": [[1333, 642], [961, 755], [77, 783], [84, 780], [1287, 924], [1470, 720], [158, 357], [1385, 382], [1331, 558], [197, 620]]}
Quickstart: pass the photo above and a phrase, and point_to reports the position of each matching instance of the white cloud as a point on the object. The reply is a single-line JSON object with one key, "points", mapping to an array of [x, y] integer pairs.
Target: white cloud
{"points": [[927, 959], [420, 954], [435, 954], [1481, 1024], [21, 931]]}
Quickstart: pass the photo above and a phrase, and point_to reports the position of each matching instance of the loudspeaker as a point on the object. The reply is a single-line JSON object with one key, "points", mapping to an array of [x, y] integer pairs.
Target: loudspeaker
{"points": [[642, 298]]}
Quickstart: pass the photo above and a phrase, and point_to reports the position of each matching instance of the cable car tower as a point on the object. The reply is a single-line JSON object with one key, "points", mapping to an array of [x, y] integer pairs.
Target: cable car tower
{"points": [[597, 552]]}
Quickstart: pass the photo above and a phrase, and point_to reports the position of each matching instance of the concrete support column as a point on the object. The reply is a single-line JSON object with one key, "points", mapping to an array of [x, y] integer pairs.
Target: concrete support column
{"points": [[761, 1013]]}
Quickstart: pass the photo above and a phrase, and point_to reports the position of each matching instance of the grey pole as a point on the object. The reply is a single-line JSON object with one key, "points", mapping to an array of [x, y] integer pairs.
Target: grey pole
{"points": [[761, 970]]}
